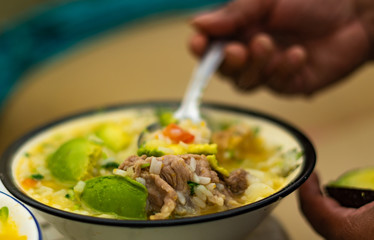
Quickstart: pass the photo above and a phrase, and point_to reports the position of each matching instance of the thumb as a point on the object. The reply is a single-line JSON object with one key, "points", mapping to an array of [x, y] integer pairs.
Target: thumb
{"points": [[233, 16]]}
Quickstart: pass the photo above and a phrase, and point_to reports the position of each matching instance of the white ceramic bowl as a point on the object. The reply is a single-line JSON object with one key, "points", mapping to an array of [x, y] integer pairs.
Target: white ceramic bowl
{"points": [[232, 224], [25, 221]]}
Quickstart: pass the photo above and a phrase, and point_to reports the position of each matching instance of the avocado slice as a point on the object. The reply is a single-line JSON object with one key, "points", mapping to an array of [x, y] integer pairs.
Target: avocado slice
{"points": [[116, 195], [72, 160], [354, 188], [113, 136]]}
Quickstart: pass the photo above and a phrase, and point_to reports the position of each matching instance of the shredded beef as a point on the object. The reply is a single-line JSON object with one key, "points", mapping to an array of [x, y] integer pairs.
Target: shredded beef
{"points": [[237, 181], [170, 191]]}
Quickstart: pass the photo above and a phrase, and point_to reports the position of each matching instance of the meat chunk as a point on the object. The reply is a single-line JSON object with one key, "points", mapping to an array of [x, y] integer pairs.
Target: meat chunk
{"points": [[162, 196], [237, 181], [183, 184]]}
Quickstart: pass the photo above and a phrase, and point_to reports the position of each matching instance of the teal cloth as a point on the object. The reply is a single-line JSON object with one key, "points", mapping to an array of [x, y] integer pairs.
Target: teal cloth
{"points": [[55, 28]]}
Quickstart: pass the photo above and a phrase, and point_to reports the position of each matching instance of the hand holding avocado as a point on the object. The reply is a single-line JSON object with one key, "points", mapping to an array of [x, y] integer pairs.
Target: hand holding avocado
{"points": [[330, 219]]}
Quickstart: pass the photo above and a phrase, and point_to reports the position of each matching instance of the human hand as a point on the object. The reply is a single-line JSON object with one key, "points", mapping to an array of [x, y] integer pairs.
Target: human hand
{"points": [[290, 46], [331, 220]]}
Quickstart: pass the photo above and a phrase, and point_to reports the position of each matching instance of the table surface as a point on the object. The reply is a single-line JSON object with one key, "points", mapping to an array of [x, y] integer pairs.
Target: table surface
{"points": [[150, 61]]}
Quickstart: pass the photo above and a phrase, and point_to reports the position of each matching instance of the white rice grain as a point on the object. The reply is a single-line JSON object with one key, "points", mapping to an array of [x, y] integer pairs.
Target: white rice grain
{"points": [[204, 180], [200, 193], [195, 178], [205, 191], [198, 202], [181, 198], [193, 164], [211, 186]]}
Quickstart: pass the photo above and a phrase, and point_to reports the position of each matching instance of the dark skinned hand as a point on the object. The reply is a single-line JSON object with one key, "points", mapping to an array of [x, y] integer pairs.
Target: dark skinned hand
{"points": [[332, 221], [290, 46]]}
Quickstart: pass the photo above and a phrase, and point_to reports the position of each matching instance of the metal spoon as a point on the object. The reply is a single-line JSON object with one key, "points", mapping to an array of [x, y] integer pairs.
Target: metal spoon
{"points": [[190, 106]]}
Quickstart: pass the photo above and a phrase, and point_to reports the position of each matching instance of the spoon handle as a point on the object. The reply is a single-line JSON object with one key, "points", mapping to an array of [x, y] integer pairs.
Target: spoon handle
{"points": [[189, 108]]}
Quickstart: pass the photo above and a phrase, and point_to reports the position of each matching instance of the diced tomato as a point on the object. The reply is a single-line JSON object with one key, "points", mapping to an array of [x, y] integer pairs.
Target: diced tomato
{"points": [[29, 183], [177, 134]]}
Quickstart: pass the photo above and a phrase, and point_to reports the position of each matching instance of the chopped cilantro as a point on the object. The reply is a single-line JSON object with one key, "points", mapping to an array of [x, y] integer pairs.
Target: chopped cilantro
{"points": [[37, 176], [110, 165], [27, 154], [70, 195], [192, 186]]}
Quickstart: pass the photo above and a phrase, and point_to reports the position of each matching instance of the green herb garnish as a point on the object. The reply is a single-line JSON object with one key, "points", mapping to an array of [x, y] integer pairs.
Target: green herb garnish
{"points": [[192, 186], [110, 165], [37, 176]]}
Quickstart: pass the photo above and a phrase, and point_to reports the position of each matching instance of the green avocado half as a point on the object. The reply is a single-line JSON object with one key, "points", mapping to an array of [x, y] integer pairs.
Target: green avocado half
{"points": [[71, 162], [117, 195], [354, 188]]}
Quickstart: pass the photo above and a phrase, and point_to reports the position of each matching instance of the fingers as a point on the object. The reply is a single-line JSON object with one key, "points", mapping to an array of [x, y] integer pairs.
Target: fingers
{"points": [[233, 16], [284, 70], [236, 56], [197, 44], [324, 214], [254, 73]]}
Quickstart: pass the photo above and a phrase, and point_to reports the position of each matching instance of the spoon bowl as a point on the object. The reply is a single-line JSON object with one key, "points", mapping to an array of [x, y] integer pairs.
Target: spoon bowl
{"points": [[190, 106]]}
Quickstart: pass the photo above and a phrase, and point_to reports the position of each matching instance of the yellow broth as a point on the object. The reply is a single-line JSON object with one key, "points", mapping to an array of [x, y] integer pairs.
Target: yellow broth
{"points": [[262, 161]]}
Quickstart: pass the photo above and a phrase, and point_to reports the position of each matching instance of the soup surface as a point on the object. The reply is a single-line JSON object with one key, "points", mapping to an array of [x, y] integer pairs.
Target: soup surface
{"points": [[97, 165]]}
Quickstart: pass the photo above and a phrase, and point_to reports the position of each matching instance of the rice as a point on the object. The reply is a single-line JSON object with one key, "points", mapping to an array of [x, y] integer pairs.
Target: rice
{"points": [[181, 198], [198, 202], [204, 180], [199, 193], [192, 164], [205, 191], [211, 186], [195, 178]]}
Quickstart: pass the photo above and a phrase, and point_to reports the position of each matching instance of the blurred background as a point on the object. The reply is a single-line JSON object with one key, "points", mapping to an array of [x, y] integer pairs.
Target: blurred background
{"points": [[55, 62]]}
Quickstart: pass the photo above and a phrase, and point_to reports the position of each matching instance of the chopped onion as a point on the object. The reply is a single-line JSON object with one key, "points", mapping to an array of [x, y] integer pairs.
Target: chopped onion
{"points": [[120, 172], [155, 166], [79, 187]]}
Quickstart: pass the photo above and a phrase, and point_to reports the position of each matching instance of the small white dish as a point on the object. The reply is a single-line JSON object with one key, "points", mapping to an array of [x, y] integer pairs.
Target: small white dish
{"points": [[24, 219]]}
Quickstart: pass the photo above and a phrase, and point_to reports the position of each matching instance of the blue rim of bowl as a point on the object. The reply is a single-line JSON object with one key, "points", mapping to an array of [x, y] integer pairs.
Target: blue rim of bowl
{"points": [[307, 168], [28, 210]]}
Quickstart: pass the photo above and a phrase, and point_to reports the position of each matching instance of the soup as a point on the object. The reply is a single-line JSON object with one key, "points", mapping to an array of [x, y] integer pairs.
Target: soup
{"points": [[97, 166]]}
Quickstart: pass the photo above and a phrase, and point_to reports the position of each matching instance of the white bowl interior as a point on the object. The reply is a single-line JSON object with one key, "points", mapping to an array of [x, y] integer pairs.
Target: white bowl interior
{"points": [[26, 222]]}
